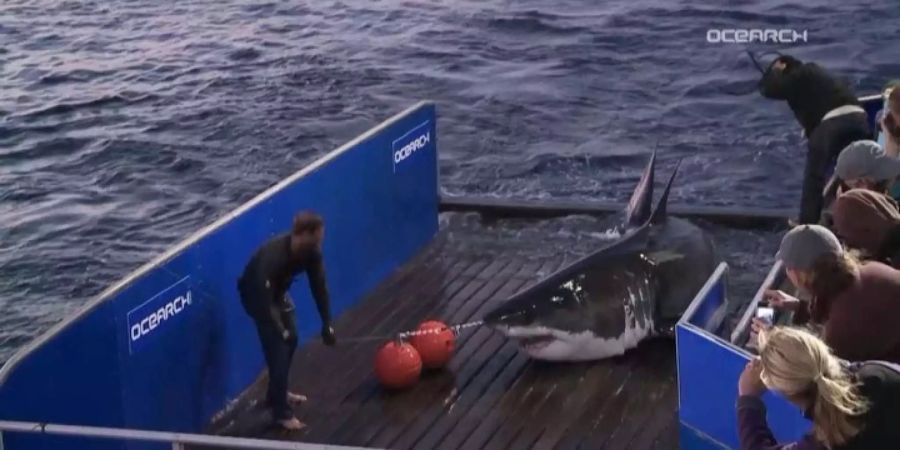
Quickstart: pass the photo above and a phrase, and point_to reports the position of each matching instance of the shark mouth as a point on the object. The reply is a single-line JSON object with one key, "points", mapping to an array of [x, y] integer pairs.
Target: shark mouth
{"points": [[535, 342], [529, 339]]}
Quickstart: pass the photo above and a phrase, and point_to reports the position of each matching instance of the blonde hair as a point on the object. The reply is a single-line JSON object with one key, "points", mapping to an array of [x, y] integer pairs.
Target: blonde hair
{"points": [[798, 364]]}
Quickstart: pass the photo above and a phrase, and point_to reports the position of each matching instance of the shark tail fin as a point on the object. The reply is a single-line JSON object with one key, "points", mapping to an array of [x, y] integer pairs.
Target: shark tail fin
{"points": [[641, 203], [659, 214]]}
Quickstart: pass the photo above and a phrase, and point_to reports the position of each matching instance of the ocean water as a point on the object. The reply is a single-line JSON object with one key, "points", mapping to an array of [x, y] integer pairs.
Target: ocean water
{"points": [[127, 124]]}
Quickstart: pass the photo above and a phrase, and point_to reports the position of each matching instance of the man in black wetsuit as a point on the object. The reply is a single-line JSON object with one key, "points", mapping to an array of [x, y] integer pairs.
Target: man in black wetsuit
{"points": [[264, 294], [830, 115]]}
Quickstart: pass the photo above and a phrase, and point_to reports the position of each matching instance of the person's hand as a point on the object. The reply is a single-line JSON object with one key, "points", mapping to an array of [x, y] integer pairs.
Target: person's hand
{"points": [[757, 325], [750, 383], [286, 334], [778, 65], [781, 301], [328, 337]]}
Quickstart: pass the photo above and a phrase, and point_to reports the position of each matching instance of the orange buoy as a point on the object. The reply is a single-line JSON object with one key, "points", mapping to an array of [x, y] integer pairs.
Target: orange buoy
{"points": [[435, 343], [398, 365]]}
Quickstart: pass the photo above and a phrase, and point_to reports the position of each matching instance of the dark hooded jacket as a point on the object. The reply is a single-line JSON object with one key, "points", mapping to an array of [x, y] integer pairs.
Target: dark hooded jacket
{"points": [[812, 93], [809, 90]]}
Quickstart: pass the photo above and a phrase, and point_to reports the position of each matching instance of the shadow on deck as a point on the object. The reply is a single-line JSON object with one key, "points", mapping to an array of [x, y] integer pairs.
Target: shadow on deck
{"points": [[491, 396]]}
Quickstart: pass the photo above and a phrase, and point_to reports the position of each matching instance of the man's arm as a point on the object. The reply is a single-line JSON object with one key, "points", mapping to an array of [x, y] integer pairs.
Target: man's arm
{"points": [[319, 288]]}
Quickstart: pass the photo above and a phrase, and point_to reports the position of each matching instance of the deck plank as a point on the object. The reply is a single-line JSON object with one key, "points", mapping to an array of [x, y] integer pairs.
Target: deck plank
{"points": [[491, 395]]}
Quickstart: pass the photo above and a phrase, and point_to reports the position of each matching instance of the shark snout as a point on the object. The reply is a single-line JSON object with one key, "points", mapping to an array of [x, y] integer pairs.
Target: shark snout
{"points": [[505, 318]]}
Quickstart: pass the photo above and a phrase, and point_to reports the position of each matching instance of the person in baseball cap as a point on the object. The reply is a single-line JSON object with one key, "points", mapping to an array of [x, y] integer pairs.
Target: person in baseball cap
{"points": [[855, 303], [864, 164], [802, 246], [803, 250]]}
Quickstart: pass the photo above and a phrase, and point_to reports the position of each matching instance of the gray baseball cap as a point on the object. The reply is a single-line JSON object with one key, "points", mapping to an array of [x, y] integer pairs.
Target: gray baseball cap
{"points": [[866, 159], [803, 245]]}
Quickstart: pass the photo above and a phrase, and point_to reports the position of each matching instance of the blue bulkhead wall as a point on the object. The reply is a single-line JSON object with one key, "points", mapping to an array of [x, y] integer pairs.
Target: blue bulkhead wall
{"points": [[170, 345], [708, 372]]}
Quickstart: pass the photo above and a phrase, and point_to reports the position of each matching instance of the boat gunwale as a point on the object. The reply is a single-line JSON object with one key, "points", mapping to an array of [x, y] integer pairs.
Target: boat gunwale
{"points": [[176, 249]]}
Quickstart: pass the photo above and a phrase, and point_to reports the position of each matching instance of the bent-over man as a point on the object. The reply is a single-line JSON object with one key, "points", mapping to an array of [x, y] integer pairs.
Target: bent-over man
{"points": [[264, 294]]}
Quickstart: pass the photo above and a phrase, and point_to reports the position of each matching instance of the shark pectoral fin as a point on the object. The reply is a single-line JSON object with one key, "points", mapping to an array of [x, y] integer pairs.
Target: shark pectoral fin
{"points": [[664, 256]]}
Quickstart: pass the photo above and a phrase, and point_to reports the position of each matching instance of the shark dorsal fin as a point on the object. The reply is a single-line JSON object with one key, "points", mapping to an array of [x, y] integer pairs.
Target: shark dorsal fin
{"points": [[641, 203], [659, 215]]}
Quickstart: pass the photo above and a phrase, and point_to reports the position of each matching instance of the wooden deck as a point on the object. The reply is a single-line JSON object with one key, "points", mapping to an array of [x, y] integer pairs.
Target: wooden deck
{"points": [[491, 396]]}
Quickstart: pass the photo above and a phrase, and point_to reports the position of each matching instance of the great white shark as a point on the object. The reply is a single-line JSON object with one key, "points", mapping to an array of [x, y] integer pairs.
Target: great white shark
{"points": [[632, 289]]}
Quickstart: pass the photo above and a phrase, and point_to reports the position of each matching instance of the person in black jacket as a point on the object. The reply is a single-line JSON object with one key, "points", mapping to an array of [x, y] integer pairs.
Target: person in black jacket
{"points": [[830, 115], [851, 406], [263, 288]]}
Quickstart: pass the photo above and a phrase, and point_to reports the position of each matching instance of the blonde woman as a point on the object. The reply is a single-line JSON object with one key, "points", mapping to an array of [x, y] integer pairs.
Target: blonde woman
{"points": [[851, 406]]}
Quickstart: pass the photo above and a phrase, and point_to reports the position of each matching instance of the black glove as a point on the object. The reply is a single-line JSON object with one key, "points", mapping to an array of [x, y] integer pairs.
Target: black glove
{"points": [[328, 335]]}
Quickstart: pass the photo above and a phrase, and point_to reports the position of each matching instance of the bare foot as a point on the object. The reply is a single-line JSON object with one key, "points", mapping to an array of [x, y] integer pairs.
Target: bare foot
{"points": [[292, 424], [295, 398]]}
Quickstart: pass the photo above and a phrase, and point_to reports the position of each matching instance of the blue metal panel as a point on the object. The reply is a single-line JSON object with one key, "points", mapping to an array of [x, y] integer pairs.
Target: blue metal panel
{"points": [[708, 371], [379, 199], [78, 351]]}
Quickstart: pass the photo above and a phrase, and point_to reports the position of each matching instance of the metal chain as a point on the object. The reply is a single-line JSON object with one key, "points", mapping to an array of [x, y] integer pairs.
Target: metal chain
{"points": [[455, 328], [411, 333]]}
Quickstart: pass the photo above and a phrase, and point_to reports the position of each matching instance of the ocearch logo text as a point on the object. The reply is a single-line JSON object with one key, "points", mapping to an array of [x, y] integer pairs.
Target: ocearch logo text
{"points": [[745, 36], [414, 140], [158, 312], [156, 318]]}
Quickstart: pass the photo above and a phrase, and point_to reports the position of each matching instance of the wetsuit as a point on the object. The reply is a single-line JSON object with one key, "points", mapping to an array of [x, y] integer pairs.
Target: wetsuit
{"points": [[830, 115], [263, 288]]}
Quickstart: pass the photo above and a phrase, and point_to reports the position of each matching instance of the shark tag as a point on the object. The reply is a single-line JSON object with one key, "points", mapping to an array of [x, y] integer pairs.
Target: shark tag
{"points": [[664, 256]]}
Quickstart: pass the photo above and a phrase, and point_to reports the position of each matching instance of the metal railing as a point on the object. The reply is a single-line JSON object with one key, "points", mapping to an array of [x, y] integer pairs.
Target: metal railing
{"points": [[178, 441]]}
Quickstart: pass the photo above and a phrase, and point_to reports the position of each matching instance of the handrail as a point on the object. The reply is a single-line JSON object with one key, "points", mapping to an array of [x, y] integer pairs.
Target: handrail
{"points": [[178, 440]]}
